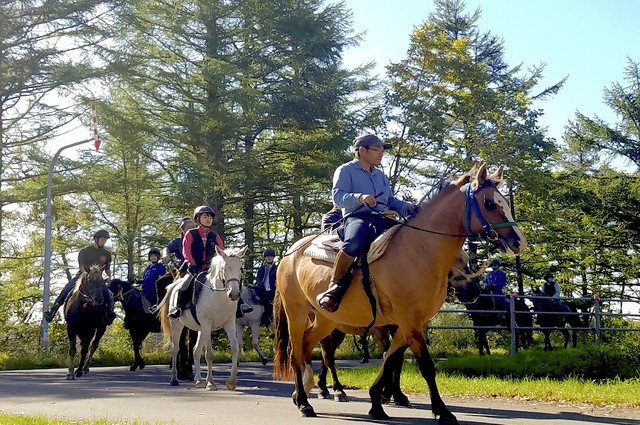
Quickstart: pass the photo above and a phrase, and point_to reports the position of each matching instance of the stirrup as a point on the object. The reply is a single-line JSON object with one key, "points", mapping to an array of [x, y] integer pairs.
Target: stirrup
{"points": [[246, 308], [329, 301], [175, 313]]}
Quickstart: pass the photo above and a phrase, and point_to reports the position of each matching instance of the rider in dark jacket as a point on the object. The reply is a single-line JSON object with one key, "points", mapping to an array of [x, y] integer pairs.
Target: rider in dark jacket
{"points": [[266, 284]]}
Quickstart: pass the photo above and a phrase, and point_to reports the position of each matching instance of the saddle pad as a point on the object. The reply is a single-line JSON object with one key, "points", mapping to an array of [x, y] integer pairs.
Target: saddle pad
{"points": [[326, 247]]}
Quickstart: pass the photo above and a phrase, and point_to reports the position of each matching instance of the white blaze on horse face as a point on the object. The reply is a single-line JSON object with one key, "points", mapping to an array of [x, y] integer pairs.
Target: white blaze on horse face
{"points": [[232, 276], [503, 204]]}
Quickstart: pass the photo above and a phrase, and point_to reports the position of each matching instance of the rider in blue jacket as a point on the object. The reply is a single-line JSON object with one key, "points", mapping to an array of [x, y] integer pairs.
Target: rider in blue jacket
{"points": [[151, 275]]}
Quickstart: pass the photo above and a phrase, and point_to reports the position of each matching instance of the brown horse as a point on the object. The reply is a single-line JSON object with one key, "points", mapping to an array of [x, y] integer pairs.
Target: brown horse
{"points": [[409, 281], [84, 313]]}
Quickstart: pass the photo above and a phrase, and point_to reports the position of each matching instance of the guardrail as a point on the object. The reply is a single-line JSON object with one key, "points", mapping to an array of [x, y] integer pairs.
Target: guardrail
{"points": [[513, 326]]}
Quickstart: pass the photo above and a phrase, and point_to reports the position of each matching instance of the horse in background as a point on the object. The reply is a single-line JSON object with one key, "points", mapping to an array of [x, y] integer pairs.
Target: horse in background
{"points": [[555, 315], [413, 267], [141, 322], [251, 320], [215, 308], [485, 311], [84, 312]]}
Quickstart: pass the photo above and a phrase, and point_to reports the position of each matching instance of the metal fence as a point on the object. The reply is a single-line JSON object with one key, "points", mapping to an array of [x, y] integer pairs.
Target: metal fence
{"points": [[595, 316]]}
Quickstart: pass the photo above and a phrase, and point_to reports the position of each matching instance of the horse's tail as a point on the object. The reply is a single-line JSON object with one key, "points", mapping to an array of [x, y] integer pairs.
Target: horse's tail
{"points": [[162, 311], [282, 370]]}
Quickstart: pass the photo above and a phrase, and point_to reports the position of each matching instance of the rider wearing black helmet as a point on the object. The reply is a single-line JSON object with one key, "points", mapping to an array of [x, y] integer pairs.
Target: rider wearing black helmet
{"points": [[172, 252], [198, 248], [266, 284], [94, 254], [151, 274]]}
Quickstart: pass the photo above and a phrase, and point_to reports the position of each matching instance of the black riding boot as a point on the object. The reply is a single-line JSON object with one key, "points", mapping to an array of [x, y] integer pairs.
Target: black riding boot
{"points": [[242, 308], [110, 314], [331, 298]]}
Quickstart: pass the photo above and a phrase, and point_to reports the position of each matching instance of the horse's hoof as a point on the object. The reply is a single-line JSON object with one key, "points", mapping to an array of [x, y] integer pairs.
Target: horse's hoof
{"points": [[385, 399], [340, 397], [142, 365], [212, 387], [401, 400], [174, 383], [364, 361], [324, 394], [264, 362], [378, 414], [307, 412], [231, 385], [79, 374], [133, 368], [199, 384], [70, 376], [449, 419]]}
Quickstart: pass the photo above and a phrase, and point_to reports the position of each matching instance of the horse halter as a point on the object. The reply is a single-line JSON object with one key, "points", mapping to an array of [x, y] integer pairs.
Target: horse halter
{"points": [[471, 207]]}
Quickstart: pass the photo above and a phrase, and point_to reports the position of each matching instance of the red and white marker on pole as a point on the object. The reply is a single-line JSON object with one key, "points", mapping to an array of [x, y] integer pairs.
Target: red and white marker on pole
{"points": [[94, 117]]}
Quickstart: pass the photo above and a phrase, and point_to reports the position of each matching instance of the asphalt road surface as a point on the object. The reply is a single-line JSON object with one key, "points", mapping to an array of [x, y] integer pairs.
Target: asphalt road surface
{"points": [[119, 396]]}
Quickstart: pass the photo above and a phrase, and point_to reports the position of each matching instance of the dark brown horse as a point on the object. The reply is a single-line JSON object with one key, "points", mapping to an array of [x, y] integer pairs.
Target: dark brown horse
{"points": [[414, 267], [84, 313], [141, 323]]}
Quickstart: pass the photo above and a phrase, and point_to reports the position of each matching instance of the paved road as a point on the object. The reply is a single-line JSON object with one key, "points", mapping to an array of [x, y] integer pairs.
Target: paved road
{"points": [[120, 396]]}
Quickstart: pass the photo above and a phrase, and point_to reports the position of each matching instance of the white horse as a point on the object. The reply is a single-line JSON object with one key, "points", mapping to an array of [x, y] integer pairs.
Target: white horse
{"points": [[214, 309], [251, 320]]}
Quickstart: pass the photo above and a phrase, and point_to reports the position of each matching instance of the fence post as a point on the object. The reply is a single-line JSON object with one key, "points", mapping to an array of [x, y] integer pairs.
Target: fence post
{"points": [[512, 322], [596, 310]]}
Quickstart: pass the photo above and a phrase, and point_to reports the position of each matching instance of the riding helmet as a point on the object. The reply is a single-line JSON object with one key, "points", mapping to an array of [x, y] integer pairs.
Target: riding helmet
{"points": [[201, 210], [153, 251], [101, 234], [547, 275], [495, 262], [269, 253]]}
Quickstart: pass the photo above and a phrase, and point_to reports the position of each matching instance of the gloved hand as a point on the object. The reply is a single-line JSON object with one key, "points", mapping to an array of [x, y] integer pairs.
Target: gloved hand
{"points": [[193, 269], [390, 214], [413, 210]]}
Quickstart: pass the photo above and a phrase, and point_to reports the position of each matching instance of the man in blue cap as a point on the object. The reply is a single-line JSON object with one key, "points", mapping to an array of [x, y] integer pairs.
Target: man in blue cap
{"points": [[495, 282], [363, 193]]}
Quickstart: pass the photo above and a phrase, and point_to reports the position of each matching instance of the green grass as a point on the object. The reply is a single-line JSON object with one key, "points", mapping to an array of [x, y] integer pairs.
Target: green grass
{"points": [[611, 392], [7, 419]]}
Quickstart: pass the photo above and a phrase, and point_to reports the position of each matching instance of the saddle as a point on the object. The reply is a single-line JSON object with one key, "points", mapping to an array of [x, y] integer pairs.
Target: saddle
{"points": [[326, 247]]}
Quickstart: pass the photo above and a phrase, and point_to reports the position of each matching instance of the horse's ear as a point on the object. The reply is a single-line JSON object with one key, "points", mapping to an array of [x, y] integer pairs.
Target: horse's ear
{"points": [[220, 252], [497, 175], [481, 176], [87, 269], [243, 251]]}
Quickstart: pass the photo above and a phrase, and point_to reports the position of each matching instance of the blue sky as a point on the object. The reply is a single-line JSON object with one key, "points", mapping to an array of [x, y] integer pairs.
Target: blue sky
{"points": [[587, 40]]}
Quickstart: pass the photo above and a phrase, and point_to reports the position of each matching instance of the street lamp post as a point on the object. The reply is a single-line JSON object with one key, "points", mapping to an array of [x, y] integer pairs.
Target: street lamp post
{"points": [[44, 340]]}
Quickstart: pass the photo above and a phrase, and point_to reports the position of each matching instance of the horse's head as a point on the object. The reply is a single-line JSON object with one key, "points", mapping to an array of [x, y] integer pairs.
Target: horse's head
{"points": [[226, 271], [462, 280], [91, 285], [118, 288], [488, 212]]}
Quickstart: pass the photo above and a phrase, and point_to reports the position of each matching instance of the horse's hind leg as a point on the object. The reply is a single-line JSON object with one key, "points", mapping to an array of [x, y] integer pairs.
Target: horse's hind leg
{"points": [[137, 337], [176, 333], [329, 346], [565, 332], [255, 334]]}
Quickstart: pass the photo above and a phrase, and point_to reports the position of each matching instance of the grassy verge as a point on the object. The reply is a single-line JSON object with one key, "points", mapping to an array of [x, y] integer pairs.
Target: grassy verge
{"points": [[6, 419], [573, 390]]}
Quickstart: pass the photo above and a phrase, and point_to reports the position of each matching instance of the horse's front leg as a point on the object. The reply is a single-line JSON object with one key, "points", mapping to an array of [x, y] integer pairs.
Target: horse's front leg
{"points": [[384, 379], [94, 346], [137, 337], [84, 349], [197, 355], [72, 352], [232, 334], [427, 368]]}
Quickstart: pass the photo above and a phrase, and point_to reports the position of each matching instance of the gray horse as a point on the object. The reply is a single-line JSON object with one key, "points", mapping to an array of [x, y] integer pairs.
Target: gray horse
{"points": [[251, 320]]}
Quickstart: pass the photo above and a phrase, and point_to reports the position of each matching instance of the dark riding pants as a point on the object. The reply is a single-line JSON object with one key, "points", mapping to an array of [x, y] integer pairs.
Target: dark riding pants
{"points": [[360, 230]]}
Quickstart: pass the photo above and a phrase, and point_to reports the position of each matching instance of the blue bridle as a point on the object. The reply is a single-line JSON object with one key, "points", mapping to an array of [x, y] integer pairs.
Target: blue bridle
{"points": [[471, 207]]}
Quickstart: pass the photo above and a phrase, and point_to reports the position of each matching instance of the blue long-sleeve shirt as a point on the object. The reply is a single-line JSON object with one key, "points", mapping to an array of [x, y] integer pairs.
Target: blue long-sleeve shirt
{"points": [[496, 281], [350, 181]]}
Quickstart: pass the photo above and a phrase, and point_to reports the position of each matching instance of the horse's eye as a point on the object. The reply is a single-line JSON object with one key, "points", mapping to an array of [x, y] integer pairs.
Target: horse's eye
{"points": [[489, 204]]}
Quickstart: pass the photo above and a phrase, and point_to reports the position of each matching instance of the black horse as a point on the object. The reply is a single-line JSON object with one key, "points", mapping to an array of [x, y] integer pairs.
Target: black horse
{"points": [[381, 335], [141, 323], [487, 310], [555, 314], [84, 312]]}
